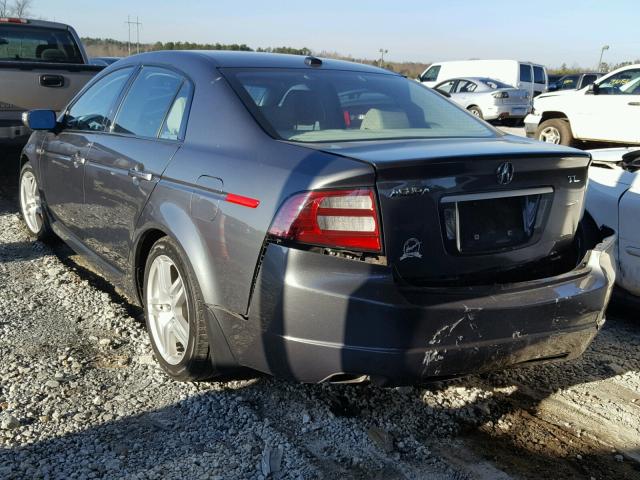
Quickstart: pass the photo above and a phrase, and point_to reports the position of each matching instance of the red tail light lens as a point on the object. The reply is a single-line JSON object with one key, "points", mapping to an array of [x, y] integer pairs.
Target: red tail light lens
{"points": [[333, 218]]}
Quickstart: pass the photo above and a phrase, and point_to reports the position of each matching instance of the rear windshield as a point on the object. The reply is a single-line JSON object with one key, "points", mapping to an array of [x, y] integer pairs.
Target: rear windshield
{"points": [[331, 105], [33, 44], [491, 83]]}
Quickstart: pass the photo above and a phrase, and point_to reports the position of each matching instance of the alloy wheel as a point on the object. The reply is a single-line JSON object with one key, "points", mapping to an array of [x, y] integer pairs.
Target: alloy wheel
{"points": [[550, 135], [30, 202], [168, 309]]}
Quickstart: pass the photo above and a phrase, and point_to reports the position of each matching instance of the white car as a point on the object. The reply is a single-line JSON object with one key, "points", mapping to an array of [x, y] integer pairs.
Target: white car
{"points": [[613, 199], [487, 98], [607, 110]]}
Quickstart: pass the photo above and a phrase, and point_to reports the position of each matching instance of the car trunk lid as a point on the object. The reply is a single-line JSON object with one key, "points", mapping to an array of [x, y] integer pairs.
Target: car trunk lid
{"points": [[464, 209]]}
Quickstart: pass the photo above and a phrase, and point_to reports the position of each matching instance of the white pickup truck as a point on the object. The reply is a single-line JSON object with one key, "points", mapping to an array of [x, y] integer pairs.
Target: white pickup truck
{"points": [[607, 111], [42, 65]]}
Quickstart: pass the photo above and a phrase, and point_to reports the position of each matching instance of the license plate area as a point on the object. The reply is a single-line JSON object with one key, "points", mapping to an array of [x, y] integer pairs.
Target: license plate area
{"points": [[491, 222]]}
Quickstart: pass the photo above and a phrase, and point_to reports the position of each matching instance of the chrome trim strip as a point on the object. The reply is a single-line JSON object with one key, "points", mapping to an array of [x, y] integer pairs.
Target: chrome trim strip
{"points": [[491, 195]]}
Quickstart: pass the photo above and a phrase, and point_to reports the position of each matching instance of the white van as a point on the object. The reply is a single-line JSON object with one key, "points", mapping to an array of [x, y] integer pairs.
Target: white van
{"points": [[524, 75]]}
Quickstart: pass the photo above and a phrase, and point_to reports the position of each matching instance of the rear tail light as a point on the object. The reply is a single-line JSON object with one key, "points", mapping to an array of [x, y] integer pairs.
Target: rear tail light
{"points": [[13, 20], [332, 218], [501, 95]]}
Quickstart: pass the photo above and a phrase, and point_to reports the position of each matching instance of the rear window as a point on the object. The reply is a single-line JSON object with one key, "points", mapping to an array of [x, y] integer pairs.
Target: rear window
{"points": [[33, 44], [330, 105], [525, 73], [538, 75], [494, 84]]}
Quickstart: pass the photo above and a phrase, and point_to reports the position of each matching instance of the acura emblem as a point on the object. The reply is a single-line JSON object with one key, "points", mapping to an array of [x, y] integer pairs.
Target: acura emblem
{"points": [[505, 173]]}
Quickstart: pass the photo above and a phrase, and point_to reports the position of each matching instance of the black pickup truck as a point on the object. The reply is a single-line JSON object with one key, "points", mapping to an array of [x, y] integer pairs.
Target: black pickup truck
{"points": [[42, 65]]}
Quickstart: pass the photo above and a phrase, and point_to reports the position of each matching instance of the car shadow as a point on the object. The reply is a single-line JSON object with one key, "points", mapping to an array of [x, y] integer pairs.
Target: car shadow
{"points": [[148, 443]]}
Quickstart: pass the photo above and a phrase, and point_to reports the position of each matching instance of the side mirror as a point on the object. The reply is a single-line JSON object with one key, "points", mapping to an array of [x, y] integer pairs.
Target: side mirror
{"points": [[593, 89], [40, 119], [553, 86]]}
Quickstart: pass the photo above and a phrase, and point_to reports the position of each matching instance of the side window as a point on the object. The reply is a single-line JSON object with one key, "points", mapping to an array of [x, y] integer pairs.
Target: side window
{"points": [[538, 75], [569, 82], [465, 86], [431, 75], [92, 109], [588, 80], [525, 73], [176, 119], [623, 83], [447, 86], [147, 102]]}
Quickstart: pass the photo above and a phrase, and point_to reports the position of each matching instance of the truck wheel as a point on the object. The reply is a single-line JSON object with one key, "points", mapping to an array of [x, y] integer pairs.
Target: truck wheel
{"points": [[33, 213], [556, 131], [476, 111], [174, 313]]}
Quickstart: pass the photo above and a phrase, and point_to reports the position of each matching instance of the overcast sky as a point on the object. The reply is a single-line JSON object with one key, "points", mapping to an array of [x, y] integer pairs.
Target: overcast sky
{"points": [[549, 32]]}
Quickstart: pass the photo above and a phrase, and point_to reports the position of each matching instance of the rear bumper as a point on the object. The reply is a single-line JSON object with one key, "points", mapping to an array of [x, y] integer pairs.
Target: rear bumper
{"points": [[531, 123], [506, 111], [13, 130], [313, 317]]}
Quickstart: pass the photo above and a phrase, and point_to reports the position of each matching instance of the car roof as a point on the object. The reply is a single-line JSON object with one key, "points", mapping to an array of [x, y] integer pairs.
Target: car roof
{"points": [[236, 59], [39, 23]]}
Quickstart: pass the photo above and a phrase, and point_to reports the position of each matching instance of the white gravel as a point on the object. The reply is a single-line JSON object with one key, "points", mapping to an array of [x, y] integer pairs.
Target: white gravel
{"points": [[82, 397]]}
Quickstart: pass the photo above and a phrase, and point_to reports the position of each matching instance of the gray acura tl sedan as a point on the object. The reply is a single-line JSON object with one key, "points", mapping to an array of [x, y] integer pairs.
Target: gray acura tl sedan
{"points": [[318, 219]]}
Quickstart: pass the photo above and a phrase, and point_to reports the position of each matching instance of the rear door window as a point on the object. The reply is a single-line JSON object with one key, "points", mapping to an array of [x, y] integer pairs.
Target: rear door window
{"points": [[538, 75], [35, 44], [93, 107], [525, 73], [466, 86], [147, 102]]}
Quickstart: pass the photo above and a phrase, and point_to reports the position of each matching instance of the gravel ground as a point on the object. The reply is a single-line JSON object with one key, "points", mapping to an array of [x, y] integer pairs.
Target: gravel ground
{"points": [[82, 397]]}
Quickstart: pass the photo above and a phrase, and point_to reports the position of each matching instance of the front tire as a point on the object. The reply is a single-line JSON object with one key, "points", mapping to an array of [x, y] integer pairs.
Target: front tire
{"points": [[556, 131], [33, 212], [175, 315]]}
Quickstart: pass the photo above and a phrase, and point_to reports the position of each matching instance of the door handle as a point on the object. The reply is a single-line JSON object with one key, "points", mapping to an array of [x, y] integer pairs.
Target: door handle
{"points": [[78, 159], [634, 104], [139, 174], [51, 81]]}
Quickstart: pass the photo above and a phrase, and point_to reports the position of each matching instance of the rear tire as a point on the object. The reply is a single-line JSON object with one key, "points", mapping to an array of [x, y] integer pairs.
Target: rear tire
{"points": [[175, 314], [475, 111], [34, 214], [556, 131]]}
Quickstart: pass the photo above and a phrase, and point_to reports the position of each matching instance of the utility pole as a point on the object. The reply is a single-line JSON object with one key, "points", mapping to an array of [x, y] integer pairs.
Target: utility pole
{"points": [[138, 25], [382, 52]]}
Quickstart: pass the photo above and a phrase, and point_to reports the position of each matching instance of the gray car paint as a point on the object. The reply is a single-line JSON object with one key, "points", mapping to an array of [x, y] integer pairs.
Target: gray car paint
{"points": [[224, 144]]}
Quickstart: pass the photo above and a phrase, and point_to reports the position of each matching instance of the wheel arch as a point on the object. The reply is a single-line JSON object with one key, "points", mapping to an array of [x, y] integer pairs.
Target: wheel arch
{"points": [[173, 219], [553, 114]]}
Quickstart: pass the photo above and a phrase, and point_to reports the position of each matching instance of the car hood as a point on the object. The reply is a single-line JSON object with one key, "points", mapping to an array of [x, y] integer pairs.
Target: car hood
{"points": [[392, 153]]}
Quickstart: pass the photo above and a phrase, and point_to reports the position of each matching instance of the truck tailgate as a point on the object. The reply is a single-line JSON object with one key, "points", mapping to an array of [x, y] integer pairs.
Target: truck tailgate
{"points": [[32, 85]]}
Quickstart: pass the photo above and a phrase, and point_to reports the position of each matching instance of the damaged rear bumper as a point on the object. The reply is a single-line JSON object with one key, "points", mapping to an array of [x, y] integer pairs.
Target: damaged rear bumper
{"points": [[315, 317]]}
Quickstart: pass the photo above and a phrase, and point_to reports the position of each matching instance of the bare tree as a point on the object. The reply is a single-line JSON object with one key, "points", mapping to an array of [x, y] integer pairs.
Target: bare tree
{"points": [[4, 8], [21, 8]]}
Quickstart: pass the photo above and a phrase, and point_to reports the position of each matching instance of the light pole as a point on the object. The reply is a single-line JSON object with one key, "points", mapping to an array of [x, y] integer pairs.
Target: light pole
{"points": [[382, 52], [604, 47]]}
